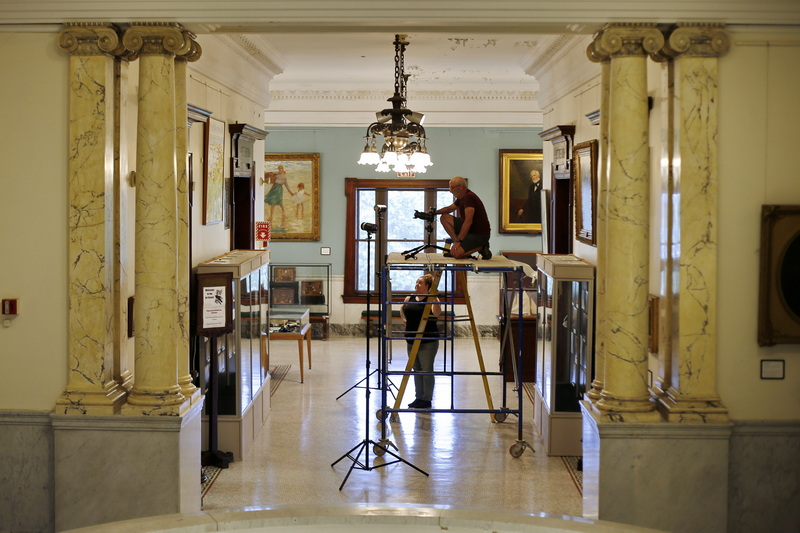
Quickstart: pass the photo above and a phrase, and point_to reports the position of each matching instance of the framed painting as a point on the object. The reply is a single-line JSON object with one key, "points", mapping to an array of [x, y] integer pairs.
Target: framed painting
{"points": [[214, 172], [520, 191], [779, 284], [585, 161], [291, 196]]}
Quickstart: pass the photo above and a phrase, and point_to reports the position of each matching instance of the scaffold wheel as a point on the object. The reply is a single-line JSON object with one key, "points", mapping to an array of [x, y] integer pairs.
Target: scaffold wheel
{"points": [[516, 449], [500, 417], [378, 450]]}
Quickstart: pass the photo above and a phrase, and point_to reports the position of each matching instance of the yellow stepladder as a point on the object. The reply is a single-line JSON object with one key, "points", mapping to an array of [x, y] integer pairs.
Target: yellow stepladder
{"points": [[412, 357], [463, 276]]}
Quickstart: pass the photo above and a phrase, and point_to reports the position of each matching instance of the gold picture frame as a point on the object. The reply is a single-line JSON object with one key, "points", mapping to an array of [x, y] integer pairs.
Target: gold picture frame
{"points": [[519, 213], [779, 284], [214, 172], [291, 196], [585, 165]]}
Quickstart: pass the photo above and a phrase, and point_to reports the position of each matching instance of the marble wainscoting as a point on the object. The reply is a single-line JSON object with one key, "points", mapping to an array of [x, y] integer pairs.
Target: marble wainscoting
{"points": [[764, 476], [661, 475], [26, 471], [110, 468]]}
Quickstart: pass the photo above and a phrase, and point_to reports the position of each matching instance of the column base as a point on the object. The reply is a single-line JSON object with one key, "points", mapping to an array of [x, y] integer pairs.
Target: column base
{"points": [[693, 411], [615, 410], [108, 401], [596, 391], [145, 403], [188, 389]]}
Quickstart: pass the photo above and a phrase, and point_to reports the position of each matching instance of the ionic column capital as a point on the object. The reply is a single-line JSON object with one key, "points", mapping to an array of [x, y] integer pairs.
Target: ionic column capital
{"points": [[698, 40], [625, 40], [158, 38], [90, 39]]}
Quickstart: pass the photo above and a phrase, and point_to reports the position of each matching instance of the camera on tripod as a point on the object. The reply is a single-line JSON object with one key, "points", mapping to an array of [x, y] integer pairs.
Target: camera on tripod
{"points": [[430, 215]]}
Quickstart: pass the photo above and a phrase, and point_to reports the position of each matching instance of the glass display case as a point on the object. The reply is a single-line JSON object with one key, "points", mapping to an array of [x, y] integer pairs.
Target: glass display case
{"points": [[296, 287], [241, 354], [565, 338]]}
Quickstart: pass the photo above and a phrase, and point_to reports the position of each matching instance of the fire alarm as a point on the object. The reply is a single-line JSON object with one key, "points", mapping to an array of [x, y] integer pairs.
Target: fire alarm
{"points": [[10, 306]]}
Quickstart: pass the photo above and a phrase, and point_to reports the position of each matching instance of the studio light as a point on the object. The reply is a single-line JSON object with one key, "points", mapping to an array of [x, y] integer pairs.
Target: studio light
{"points": [[403, 148]]}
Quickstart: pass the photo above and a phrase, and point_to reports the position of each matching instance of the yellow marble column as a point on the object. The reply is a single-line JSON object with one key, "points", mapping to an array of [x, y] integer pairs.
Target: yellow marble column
{"points": [[155, 389], [188, 388], [91, 388], [601, 236], [692, 394], [625, 395], [666, 245]]}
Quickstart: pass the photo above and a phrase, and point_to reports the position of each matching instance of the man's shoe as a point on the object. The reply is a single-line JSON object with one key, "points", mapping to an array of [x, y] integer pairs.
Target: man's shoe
{"points": [[447, 254], [415, 404], [424, 404], [486, 253]]}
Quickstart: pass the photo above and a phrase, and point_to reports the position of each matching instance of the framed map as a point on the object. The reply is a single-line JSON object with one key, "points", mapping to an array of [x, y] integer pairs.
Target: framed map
{"points": [[214, 172]]}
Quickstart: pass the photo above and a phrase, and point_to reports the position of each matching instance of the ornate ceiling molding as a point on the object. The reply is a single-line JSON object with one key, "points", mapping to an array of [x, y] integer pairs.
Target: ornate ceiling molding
{"points": [[259, 52], [285, 95], [549, 49]]}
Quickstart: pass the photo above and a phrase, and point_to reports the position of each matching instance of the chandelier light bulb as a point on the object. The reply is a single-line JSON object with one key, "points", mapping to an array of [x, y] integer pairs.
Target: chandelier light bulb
{"points": [[369, 158], [390, 158]]}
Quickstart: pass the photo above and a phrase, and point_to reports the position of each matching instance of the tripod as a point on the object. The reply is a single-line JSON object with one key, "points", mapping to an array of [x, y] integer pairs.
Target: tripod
{"points": [[412, 253], [364, 446], [369, 328]]}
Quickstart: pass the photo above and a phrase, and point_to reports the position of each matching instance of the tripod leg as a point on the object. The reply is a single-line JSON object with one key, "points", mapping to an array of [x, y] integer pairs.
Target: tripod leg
{"points": [[355, 461], [347, 454], [421, 471]]}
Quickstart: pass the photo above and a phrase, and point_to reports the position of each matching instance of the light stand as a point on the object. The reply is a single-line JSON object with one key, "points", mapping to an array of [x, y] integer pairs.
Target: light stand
{"points": [[364, 446], [370, 229]]}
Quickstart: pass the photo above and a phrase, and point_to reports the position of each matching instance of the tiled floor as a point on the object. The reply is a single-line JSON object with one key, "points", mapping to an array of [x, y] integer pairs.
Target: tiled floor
{"points": [[466, 455]]}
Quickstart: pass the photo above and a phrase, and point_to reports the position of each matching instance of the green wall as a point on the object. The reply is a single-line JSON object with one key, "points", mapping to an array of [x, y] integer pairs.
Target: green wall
{"points": [[469, 152]]}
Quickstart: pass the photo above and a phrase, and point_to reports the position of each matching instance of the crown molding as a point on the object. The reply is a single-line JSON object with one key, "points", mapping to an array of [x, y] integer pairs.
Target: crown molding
{"points": [[239, 64], [419, 96], [549, 49]]}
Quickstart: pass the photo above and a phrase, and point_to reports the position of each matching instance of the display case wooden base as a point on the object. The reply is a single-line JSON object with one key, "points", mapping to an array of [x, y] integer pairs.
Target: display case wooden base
{"points": [[560, 431]]}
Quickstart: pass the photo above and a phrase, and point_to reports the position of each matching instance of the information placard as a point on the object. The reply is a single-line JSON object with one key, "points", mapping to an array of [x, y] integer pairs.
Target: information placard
{"points": [[214, 303]]}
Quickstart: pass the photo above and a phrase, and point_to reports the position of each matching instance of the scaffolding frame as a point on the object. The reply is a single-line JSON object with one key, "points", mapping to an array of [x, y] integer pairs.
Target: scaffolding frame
{"points": [[450, 270]]}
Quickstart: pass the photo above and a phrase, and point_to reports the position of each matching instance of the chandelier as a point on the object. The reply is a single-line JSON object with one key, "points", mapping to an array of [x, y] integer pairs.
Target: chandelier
{"points": [[403, 148]]}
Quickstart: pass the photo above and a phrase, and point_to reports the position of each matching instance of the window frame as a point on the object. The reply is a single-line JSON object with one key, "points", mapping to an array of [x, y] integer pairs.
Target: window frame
{"points": [[351, 187]]}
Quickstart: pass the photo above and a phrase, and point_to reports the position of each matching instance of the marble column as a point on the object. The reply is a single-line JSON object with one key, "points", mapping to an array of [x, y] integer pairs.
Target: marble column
{"points": [[187, 387], [601, 235], [692, 394], [91, 388], [667, 243], [156, 390], [625, 395]]}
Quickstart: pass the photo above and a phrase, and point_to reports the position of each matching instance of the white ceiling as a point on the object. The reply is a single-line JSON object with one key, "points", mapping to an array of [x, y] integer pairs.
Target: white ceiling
{"points": [[434, 61]]}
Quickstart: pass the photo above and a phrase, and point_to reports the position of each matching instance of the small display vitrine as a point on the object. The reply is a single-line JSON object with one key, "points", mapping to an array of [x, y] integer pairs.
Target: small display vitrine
{"points": [[565, 338], [241, 355], [302, 286]]}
